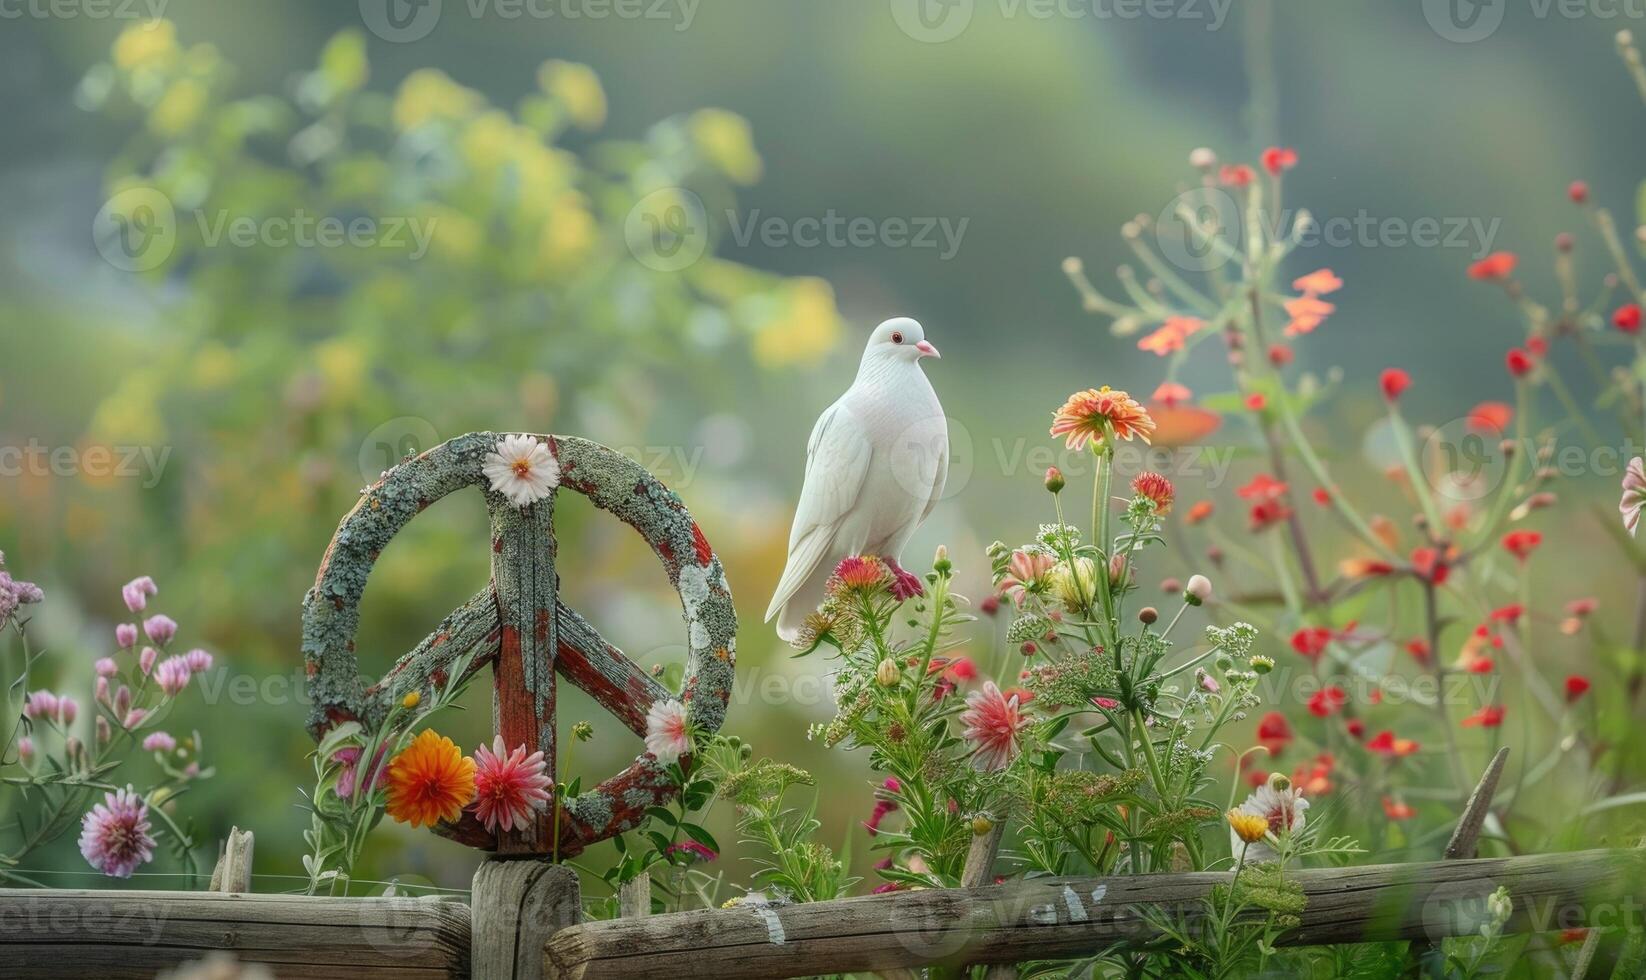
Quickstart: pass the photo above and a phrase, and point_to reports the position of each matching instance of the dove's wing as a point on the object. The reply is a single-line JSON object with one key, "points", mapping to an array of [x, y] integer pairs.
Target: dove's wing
{"points": [[837, 460], [938, 482]]}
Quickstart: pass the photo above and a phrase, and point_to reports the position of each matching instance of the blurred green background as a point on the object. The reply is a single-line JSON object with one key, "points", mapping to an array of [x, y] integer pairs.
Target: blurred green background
{"points": [[277, 380]]}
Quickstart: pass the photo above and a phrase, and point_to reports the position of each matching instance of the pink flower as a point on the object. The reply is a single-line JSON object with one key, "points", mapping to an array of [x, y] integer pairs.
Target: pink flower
{"points": [[692, 850], [106, 667], [668, 733], [993, 724], [1634, 494], [146, 659], [40, 704], [25, 750], [350, 758], [159, 742], [160, 628], [199, 661], [126, 635], [137, 592], [68, 709], [508, 787], [1028, 572], [102, 689], [133, 718], [172, 675], [114, 835]]}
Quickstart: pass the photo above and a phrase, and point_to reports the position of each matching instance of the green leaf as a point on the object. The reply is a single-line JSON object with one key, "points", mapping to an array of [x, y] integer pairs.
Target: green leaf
{"points": [[659, 813], [702, 836]]}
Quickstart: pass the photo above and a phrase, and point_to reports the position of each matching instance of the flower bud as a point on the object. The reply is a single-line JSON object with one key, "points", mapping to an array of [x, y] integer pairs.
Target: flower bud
{"points": [[411, 700], [1054, 479], [888, 674], [1170, 585], [1202, 158], [940, 561], [1198, 590], [1147, 615], [25, 750], [1028, 649], [582, 731], [1279, 782], [981, 825], [1261, 664]]}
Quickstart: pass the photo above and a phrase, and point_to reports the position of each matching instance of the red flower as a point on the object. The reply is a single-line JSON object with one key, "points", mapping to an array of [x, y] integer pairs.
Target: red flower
{"points": [[1355, 727], [1627, 318], [1507, 614], [1497, 266], [1394, 381], [1419, 649], [1397, 809], [1428, 564], [1518, 362], [1278, 159], [1280, 355], [1311, 641], [1490, 716], [1171, 394], [1491, 418], [1522, 543], [1578, 191], [1267, 514], [1262, 487], [1236, 175], [1199, 512], [1576, 686], [1385, 743], [1328, 700], [1156, 488], [1321, 496], [1257, 401], [1275, 732]]}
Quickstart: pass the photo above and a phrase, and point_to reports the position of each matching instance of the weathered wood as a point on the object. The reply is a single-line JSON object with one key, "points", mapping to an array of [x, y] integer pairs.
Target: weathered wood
{"points": [[518, 905], [233, 870], [1051, 918], [116, 935], [634, 898], [1466, 836], [979, 867]]}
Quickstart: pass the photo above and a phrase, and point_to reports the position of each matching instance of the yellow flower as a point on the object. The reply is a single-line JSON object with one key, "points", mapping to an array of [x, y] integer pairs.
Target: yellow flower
{"points": [[1248, 827], [429, 93], [429, 781], [1071, 585], [141, 45], [179, 108], [411, 700], [576, 87], [726, 141], [807, 331]]}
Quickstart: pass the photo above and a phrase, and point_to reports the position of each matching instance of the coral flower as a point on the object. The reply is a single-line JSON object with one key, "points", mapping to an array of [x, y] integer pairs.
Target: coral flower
{"points": [[1576, 686], [1490, 716], [1396, 809], [1522, 543], [1262, 487], [1490, 418], [1306, 312], [993, 724], [1096, 414], [1634, 494], [1627, 318], [861, 574], [508, 786], [1318, 283], [522, 469], [1394, 382], [1497, 266], [1385, 743], [1171, 335], [1028, 573], [668, 731], [1201, 510], [114, 835], [1171, 394], [429, 781], [1428, 564], [1236, 175], [1157, 489]]}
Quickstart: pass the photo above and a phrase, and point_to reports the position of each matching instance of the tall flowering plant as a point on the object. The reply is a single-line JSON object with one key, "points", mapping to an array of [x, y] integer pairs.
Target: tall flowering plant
{"points": [[57, 759]]}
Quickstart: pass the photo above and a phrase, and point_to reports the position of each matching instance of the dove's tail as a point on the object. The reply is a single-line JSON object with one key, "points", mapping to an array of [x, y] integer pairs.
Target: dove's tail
{"points": [[805, 600], [800, 591]]}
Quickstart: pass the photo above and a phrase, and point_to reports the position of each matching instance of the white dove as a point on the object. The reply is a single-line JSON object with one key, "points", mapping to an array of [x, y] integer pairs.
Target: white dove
{"points": [[875, 466]]}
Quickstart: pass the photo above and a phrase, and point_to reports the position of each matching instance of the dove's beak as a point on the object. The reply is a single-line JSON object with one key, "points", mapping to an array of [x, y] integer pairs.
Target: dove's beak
{"points": [[927, 350]]}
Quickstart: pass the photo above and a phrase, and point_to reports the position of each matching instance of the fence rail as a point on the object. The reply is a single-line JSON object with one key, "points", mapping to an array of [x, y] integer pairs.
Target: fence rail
{"points": [[1059, 918]]}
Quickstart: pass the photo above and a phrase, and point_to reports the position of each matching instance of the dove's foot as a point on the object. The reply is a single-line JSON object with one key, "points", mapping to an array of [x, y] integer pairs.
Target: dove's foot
{"points": [[904, 585]]}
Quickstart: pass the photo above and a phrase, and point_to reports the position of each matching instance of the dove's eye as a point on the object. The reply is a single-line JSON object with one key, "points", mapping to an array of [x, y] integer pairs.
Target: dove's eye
{"points": [[897, 337]]}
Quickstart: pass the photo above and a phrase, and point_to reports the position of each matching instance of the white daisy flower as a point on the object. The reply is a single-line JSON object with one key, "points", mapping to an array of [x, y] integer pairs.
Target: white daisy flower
{"points": [[668, 733], [1282, 807], [522, 469]]}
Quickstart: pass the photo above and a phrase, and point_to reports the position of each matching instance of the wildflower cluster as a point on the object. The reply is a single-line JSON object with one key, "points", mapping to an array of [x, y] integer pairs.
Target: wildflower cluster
{"points": [[59, 758]]}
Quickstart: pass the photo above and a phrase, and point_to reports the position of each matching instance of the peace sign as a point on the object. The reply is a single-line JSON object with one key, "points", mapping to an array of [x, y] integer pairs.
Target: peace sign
{"points": [[519, 626]]}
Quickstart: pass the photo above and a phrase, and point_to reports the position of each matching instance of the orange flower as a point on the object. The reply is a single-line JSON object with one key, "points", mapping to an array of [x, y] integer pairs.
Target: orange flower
{"points": [[1490, 418], [1307, 312], [429, 781], [1171, 335], [1094, 415], [1318, 283], [1496, 266]]}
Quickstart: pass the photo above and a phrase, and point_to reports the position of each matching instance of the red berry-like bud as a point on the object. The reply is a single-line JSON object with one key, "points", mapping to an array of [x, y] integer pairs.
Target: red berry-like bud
{"points": [[1578, 191]]}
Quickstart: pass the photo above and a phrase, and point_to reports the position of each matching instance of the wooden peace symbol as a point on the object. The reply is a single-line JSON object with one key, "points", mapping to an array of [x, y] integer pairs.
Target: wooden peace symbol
{"points": [[521, 628]]}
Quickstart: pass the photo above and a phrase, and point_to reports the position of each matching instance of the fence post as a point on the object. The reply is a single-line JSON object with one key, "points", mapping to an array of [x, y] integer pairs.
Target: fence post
{"points": [[1461, 847], [233, 870], [517, 906], [634, 898]]}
